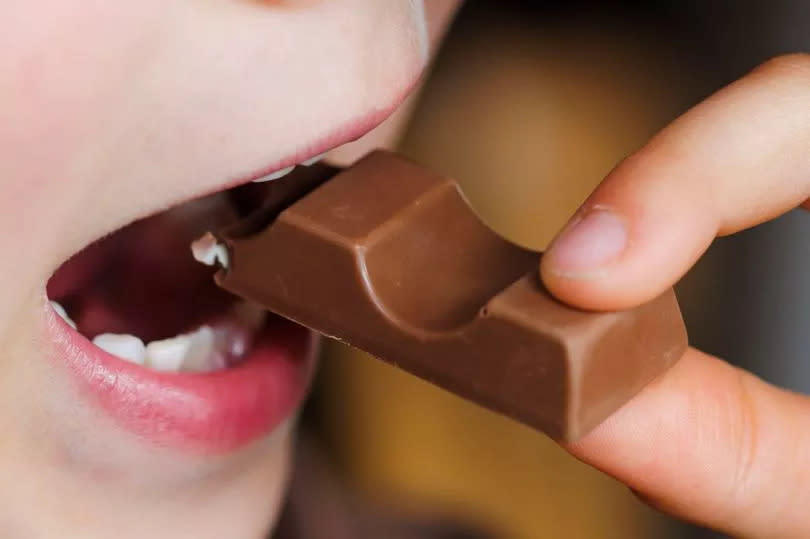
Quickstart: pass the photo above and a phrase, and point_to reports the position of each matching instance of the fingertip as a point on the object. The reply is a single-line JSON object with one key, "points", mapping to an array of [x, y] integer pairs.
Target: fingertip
{"points": [[628, 244], [592, 239], [579, 265], [586, 295], [707, 423]]}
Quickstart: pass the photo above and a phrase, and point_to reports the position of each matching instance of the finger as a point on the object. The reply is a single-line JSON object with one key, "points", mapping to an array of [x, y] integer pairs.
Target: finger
{"points": [[738, 159], [715, 445]]}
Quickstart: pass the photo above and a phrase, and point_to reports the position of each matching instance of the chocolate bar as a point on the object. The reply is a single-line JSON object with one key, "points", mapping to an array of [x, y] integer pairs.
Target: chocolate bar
{"points": [[389, 258]]}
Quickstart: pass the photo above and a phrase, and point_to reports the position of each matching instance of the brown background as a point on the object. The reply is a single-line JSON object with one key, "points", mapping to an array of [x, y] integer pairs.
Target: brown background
{"points": [[529, 106]]}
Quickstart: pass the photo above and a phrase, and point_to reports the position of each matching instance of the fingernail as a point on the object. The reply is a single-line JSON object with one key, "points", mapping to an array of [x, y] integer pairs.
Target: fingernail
{"points": [[587, 244]]}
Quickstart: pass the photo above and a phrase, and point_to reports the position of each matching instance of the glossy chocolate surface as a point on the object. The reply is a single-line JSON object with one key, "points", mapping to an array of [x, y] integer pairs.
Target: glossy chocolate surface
{"points": [[388, 257]]}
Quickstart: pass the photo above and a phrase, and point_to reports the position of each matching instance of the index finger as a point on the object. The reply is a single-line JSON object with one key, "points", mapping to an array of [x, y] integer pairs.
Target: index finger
{"points": [[736, 160]]}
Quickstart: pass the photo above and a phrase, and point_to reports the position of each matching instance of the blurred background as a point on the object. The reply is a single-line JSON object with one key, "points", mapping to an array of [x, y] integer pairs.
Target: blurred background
{"points": [[529, 105]]}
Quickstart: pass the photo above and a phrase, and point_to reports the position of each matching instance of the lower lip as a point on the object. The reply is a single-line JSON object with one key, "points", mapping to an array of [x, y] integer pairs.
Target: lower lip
{"points": [[215, 412]]}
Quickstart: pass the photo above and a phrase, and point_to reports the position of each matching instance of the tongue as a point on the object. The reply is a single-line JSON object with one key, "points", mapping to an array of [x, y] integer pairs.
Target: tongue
{"points": [[142, 280]]}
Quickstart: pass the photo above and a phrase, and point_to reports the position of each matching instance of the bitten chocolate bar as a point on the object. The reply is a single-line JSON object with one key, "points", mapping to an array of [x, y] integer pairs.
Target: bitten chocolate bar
{"points": [[388, 257]]}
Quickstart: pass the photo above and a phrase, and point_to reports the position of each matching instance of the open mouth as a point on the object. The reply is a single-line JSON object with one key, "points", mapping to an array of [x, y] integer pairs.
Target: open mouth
{"points": [[170, 356], [148, 339]]}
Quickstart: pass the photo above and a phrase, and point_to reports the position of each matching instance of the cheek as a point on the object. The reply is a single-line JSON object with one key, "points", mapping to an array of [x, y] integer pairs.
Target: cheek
{"points": [[62, 74], [144, 101], [60, 69]]}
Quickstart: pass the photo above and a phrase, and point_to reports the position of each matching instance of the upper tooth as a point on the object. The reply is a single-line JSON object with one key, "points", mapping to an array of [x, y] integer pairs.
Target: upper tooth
{"points": [[313, 160], [128, 347], [61, 312], [275, 175], [168, 354], [202, 355], [209, 251]]}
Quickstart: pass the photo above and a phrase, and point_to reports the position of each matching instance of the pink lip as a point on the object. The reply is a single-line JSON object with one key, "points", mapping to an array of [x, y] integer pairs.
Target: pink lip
{"points": [[220, 411], [201, 413], [347, 133]]}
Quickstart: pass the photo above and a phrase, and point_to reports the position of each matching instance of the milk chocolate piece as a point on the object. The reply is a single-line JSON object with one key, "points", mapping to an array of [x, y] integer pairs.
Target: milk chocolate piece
{"points": [[389, 258]]}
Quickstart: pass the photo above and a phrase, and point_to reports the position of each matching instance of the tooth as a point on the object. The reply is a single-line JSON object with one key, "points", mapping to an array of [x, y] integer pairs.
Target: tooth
{"points": [[168, 354], [250, 315], [209, 251], [61, 312], [232, 342], [202, 355], [312, 160], [275, 175], [127, 347]]}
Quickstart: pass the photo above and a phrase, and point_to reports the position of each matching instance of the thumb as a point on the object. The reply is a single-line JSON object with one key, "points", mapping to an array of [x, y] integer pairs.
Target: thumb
{"points": [[715, 445], [736, 160]]}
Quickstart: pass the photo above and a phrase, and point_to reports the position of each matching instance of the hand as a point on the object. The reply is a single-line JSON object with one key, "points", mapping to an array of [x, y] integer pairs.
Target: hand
{"points": [[706, 442]]}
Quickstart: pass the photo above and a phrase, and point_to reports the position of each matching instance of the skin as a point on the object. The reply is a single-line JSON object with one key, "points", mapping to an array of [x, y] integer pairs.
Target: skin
{"points": [[707, 441], [114, 111]]}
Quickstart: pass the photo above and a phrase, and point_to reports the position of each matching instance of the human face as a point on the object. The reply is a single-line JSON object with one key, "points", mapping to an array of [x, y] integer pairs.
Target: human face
{"points": [[110, 113]]}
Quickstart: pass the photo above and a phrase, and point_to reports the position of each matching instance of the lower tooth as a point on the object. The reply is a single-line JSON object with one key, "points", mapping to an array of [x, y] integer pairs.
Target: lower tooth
{"points": [[206, 349], [202, 354], [61, 312], [126, 347], [233, 342], [168, 354]]}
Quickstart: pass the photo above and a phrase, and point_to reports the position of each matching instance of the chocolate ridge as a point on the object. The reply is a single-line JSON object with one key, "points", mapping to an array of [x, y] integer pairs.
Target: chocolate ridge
{"points": [[388, 257]]}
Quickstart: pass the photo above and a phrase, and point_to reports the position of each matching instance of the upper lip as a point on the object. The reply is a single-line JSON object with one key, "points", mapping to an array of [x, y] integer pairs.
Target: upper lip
{"points": [[346, 133], [321, 144], [211, 412]]}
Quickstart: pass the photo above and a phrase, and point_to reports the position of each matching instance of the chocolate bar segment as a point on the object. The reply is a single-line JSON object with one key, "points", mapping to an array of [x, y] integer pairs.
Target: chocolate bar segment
{"points": [[388, 257]]}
